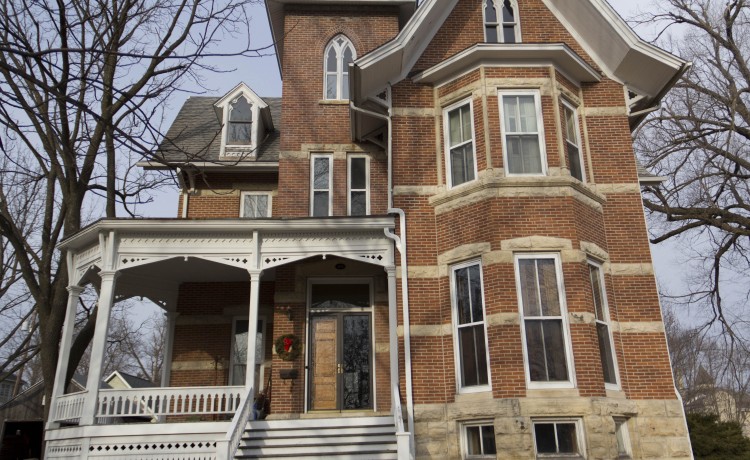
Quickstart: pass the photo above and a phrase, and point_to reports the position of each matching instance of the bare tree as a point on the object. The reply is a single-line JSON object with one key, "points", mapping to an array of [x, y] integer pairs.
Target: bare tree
{"points": [[83, 89], [700, 141]]}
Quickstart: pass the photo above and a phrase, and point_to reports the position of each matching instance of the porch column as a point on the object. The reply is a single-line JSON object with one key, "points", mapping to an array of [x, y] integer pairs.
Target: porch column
{"points": [[166, 367], [98, 345], [252, 332], [393, 329], [63, 358]]}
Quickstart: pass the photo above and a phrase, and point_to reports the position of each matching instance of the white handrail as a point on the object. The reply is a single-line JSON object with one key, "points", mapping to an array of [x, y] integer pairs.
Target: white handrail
{"points": [[403, 437], [156, 402], [226, 449], [69, 407]]}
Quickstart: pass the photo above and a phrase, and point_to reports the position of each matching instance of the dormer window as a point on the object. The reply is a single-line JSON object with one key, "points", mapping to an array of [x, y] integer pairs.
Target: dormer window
{"points": [[501, 21], [240, 122], [338, 55]]}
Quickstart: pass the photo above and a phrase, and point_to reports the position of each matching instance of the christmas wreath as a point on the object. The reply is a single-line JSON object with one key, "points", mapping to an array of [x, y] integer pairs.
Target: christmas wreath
{"points": [[287, 347]]}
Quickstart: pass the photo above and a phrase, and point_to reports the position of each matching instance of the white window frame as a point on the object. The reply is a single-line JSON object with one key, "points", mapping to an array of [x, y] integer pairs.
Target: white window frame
{"points": [[540, 129], [341, 73], [447, 146], [499, 23], [465, 438], [349, 189], [329, 157], [454, 315], [580, 438], [240, 149], [567, 105], [607, 320], [623, 434], [571, 382], [259, 360], [242, 203]]}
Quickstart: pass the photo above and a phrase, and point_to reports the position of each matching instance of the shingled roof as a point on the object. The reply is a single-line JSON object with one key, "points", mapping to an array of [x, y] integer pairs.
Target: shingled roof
{"points": [[195, 135]]}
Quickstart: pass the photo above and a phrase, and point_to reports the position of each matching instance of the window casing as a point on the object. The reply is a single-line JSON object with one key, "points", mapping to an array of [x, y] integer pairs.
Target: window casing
{"points": [[256, 205], [557, 439], [501, 21], [358, 185], [603, 329], [460, 155], [571, 133], [239, 126], [338, 55], [623, 440], [321, 179], [470, 332], [523, 133], [478, 440], [544, 322]]}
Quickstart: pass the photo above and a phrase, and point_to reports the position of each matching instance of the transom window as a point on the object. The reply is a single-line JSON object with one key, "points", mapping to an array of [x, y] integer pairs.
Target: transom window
{"points": [[338, 55], [359, 185], [572, 142], [501, 21], [523, 137], [479, 440], [603, 331], [544, 325], [470, 334], [321, 172], [459, 143], [255, 205], [557, 439], [240, 122]]}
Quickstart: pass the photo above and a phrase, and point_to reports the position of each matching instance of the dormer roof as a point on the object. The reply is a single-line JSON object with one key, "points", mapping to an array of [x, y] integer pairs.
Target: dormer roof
{"points": [[243, 89]]}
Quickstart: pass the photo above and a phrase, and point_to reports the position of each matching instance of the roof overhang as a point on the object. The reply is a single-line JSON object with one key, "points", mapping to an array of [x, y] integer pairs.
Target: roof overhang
{"points": [[275, 11], [558, 55], [233, 166]]}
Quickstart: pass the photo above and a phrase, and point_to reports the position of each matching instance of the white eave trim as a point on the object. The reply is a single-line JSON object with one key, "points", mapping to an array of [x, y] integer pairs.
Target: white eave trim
{"points": [[651, 180], [519, 54], [90, 234], [233, 166]]}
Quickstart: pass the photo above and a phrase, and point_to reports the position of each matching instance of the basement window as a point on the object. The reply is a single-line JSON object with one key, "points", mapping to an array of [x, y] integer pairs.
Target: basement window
{"points": [[478, 439]]}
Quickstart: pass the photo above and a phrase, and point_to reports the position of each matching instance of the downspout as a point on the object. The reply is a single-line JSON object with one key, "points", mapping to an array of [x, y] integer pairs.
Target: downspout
{"points": [[400, 243]]}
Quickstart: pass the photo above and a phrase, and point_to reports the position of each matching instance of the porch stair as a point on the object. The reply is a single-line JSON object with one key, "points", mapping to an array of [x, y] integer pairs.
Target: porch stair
{"points": [[325, 438]]}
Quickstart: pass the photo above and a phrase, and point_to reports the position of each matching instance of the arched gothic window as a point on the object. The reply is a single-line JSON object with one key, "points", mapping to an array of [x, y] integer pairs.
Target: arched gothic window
{"points": [[240, 122], [501, 21], [339, 53]]}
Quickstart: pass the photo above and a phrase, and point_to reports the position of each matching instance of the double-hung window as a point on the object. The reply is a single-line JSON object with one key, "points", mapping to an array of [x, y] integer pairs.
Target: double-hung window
{"points": [[542, 306], [255, 205], [470, 332], [240, 122], [359, 185], [523, 133], [459, 143], [338, 55], [501, 21], [556, 439], [479, 440], [573, 143], [321, 175], [603, 330]]}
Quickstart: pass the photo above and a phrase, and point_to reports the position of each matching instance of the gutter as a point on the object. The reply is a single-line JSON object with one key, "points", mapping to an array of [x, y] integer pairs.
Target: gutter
{"points": [[400, 243]]}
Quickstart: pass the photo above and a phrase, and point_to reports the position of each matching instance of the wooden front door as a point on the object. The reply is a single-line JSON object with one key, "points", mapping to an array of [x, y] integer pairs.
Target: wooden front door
{"points": [[341, 361]]}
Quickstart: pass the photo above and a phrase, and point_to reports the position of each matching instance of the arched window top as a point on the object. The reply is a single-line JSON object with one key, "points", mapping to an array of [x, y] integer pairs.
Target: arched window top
{"points": [[338, 55], [240, 122], [501, 21]]}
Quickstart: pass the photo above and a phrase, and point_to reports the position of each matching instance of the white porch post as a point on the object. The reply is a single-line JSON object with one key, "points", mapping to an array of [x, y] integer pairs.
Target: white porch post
{"points": [[63, 358], [166, 366], [393, 329], [252, 332], [98, 345]]}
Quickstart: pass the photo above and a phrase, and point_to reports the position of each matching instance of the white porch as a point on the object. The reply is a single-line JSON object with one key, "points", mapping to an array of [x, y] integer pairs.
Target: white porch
{"points": [[150, 258]]}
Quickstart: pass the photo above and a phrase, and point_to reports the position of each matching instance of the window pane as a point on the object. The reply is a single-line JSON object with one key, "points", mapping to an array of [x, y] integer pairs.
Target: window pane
{"points": [[473, 441], [574, 161], [463, 299], [529, 293], [532, 160], [466, 122], [321, 173], [605, 352], [490, 33], [240, 352], [527, 110], [239, 133], [331, 60], [544, 434], [570, 126], [348, 57], [462, 164], [535, 350], [359, 204], [550, 297], [510, 106], [490, 15], [622, 443], [509, 34], [507, 11], [475, 283], [473, 355], [554, 350], [488, 440], [596, 287], [320, 204], [331, 86], [454, 123], [344, 86], [241, 110], [358, 173], [255, 206], [566, 438]]}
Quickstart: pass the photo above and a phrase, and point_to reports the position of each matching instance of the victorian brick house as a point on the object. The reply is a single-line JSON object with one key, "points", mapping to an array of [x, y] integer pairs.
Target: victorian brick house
{"points": [[431, 246]]}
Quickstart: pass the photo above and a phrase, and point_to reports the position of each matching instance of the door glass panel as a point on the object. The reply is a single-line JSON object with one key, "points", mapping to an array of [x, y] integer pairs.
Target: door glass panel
{"points": [[356, 362]]}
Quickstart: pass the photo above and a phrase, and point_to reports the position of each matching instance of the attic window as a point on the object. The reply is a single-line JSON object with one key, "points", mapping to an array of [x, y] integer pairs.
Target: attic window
{"points": [[240, 122], [501, 21], [338, 55]]}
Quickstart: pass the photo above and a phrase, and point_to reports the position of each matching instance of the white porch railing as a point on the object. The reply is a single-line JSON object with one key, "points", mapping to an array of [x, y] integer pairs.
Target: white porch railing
{"points": [[158, 402], [68, 408], [226, 448], [403, 437]]}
